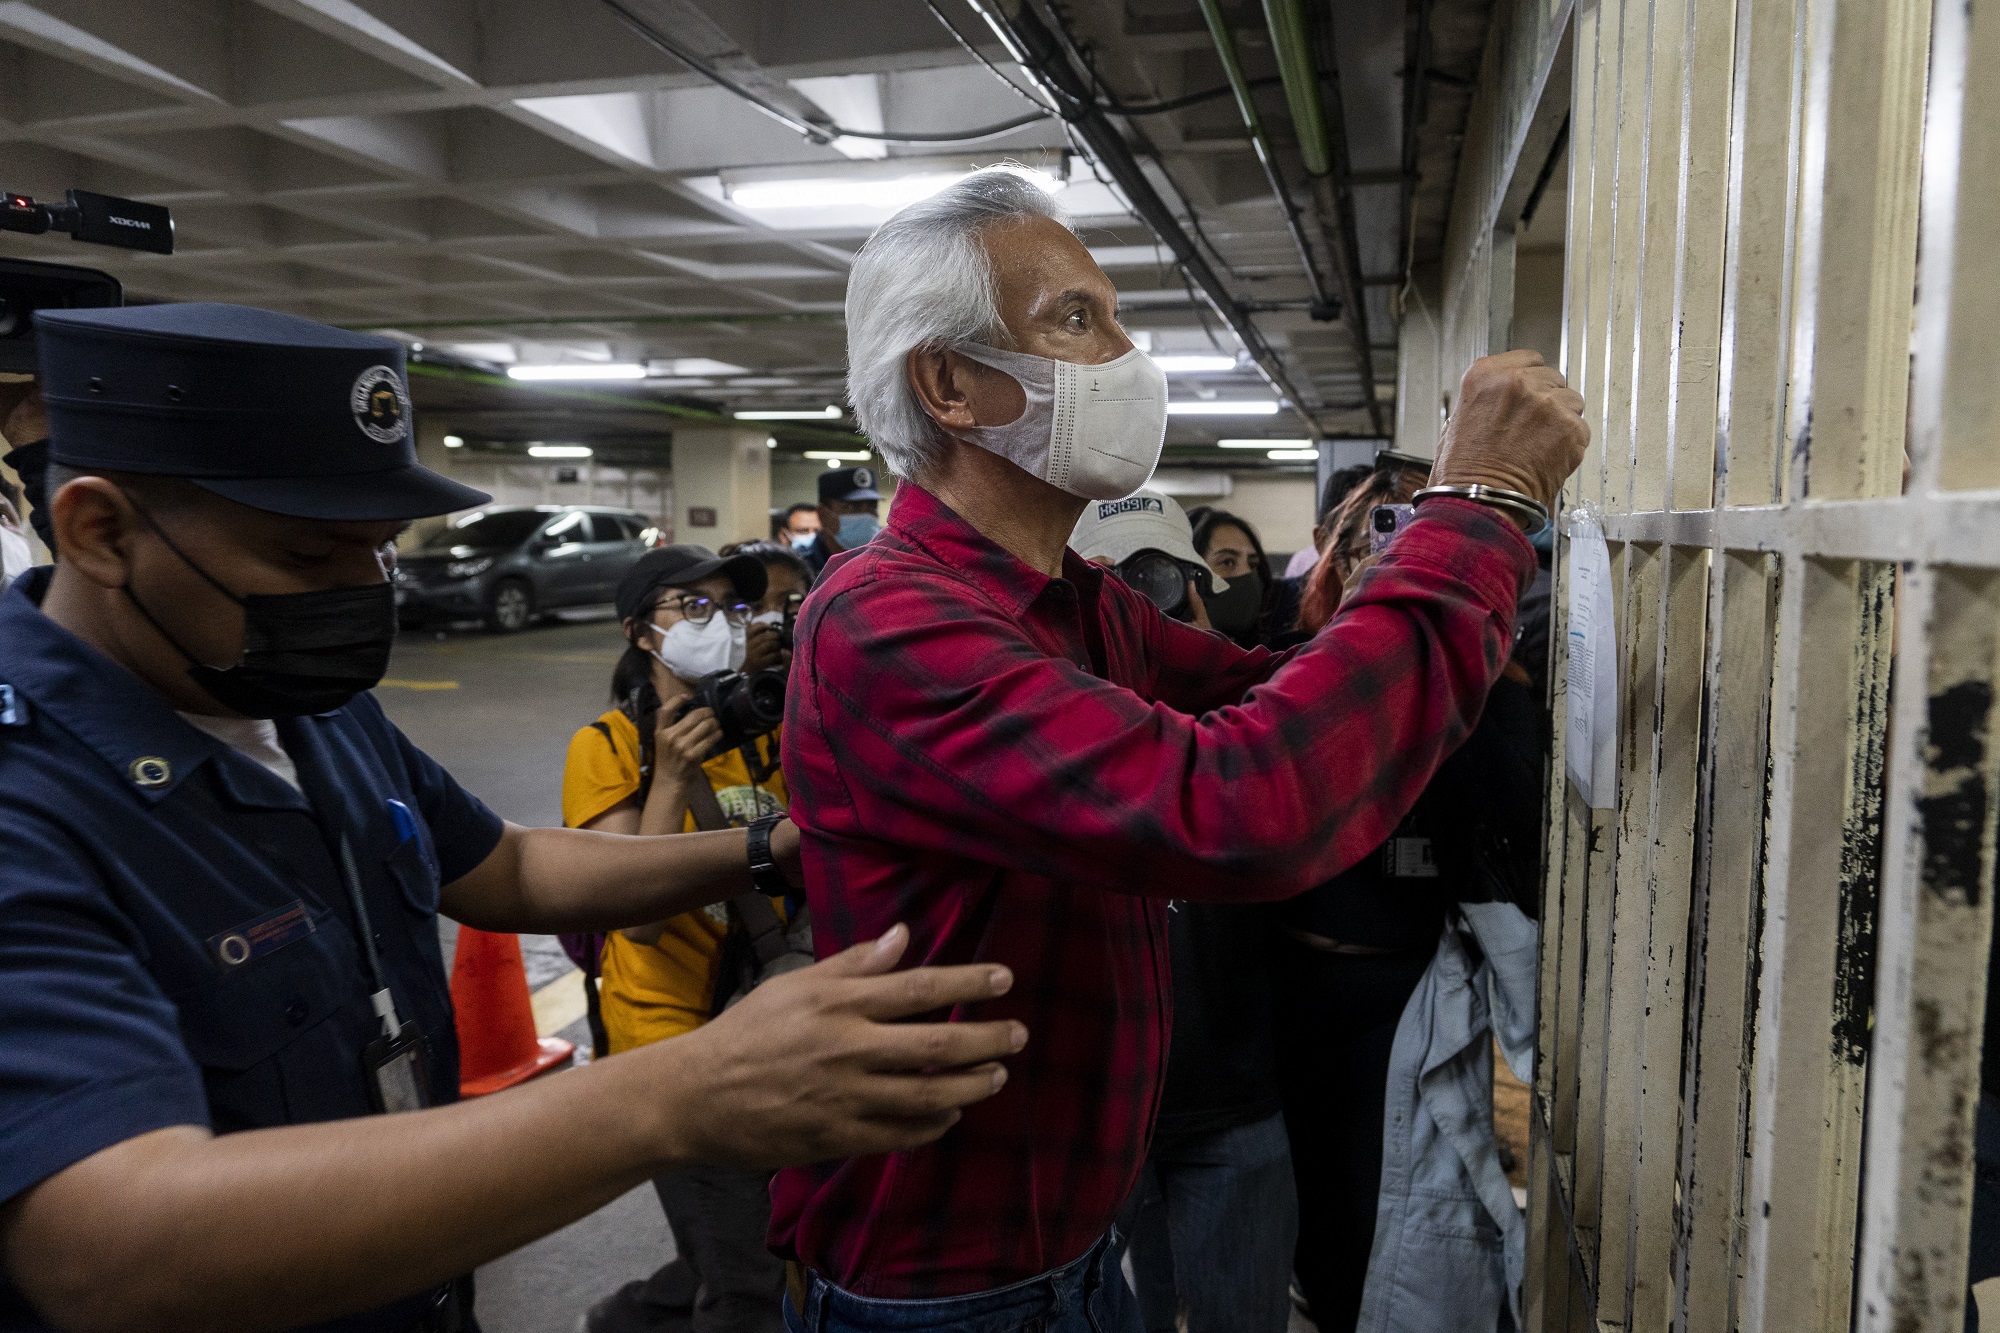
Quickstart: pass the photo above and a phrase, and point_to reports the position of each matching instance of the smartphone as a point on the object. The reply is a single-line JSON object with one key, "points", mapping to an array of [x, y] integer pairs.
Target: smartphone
{"points": [[1384, 522]]}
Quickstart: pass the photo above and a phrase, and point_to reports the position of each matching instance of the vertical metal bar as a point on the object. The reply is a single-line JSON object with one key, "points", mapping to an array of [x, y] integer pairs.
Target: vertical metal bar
{"points": [[1699, 224], [1658, 254], [1756, 304], [1623, 257], [1675, 725], [1722, 989], [1595, 253], [1827, 724], [1598, 1045], [1639, 623], [1857, 246]]}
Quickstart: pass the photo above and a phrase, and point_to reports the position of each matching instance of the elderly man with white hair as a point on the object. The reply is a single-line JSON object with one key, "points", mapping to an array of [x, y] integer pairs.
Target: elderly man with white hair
{"points": [[1025, 761]]}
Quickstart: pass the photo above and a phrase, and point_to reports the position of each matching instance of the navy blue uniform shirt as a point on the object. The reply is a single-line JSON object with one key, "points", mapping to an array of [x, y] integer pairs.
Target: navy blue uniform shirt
{"points": [[176, 943]]}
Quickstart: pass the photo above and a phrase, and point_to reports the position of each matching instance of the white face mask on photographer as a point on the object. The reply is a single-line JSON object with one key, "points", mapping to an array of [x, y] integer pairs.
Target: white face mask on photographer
{"points": [[16, 556], [1094, 431], [692, 651]]}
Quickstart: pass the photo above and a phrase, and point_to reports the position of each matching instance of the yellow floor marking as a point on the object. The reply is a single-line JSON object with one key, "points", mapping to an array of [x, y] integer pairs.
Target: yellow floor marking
{"points": [[558, 1004], [416, 684]]}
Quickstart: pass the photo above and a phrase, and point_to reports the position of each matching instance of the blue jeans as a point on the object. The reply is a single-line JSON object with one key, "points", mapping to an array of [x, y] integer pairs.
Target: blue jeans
{"points": [[1087, 1295], [1212, 1224]]}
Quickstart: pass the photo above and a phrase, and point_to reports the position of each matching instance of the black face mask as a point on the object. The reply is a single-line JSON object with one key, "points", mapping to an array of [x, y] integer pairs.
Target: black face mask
{"points": [[1235, 610], [303, 652]]}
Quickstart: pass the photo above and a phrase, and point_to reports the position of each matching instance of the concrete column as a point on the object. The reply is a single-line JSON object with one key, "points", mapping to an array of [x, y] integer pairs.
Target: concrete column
{"points": [[722, 474], [1419, 385]]}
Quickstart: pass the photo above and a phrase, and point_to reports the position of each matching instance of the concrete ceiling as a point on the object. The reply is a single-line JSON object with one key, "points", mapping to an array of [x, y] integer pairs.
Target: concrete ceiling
{"points": [[512, 182]]}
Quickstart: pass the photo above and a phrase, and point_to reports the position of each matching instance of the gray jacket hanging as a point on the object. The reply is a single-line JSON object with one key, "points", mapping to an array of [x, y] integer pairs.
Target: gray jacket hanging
{"points": [[1450, 1242]]}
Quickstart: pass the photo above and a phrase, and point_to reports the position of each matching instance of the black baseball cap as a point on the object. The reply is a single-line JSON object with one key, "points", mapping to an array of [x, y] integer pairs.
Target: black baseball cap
{"points": [[847, 483], [678, 566], [273, 411]]}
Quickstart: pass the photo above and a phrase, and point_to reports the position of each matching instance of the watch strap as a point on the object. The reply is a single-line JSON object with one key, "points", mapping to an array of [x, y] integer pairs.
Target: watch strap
{"points": [[764, 872]]}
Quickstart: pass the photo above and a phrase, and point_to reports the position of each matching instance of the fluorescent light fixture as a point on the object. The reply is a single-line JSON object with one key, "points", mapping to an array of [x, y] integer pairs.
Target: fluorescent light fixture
{"points": [[868, 191], [833, 456], [453, 442], [501, 352], [1263, 444], [1194, 363], [578, 371], [697, 366], [1224, 407], [1293, 455], [827, 413], [558, 451]]}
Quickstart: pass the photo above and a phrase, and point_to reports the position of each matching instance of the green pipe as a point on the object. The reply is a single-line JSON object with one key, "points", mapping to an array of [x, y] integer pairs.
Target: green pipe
{"points": [[1291, 42], [1232, 67]]}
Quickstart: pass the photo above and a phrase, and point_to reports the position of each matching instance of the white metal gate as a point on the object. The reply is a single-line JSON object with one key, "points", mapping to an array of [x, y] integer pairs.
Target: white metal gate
{"points": [[1763, 970]]}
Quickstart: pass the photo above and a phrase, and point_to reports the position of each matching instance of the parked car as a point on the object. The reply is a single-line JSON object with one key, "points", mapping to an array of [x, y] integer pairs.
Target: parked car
{"points": [[509, 563]]}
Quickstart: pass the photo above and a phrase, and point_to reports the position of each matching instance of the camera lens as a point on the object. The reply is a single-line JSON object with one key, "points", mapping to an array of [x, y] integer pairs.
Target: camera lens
{"points": [[1157, 577], [1384, 518], [764, 698]]}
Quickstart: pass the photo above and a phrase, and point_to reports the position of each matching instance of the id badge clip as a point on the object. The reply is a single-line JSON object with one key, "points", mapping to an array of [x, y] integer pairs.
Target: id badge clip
{"points": [[394, 1062]]}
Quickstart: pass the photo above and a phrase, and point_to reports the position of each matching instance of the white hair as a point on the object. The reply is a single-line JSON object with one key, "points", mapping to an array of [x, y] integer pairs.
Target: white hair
{"points": [[923, 281]]}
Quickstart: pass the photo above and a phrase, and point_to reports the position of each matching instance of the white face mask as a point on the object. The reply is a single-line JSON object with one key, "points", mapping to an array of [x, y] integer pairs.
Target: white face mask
{"points": [[768, 618], [1094, 431], [692, 651], [16, 556]]}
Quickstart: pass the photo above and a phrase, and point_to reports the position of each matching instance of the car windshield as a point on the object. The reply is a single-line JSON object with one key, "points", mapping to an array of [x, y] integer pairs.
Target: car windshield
{"points": [[489, 531]]}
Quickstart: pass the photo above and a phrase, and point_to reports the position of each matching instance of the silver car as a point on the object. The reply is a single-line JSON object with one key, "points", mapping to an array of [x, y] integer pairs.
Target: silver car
{"points": [[510, 563]]}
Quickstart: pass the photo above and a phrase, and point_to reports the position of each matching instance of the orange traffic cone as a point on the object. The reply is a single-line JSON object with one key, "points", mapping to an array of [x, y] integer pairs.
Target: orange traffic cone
{"points": [[497, 1046]]}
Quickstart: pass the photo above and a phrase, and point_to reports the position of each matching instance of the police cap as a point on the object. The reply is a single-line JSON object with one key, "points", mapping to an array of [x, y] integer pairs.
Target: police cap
{"points": [[276, 412], [847, 483]]}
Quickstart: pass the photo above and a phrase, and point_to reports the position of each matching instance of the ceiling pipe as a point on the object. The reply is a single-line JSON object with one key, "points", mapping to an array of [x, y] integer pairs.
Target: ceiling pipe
{"points": [[1036, 48], [1232, 68], [1322, 135]]}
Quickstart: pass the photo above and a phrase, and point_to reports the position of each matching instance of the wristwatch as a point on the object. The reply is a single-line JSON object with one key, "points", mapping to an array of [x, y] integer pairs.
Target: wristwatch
{"points": [[764, 872]]}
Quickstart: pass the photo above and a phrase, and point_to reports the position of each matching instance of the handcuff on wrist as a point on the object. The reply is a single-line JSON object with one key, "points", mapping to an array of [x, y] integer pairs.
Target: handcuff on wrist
{"points": [[1497, 497], [764, 872]]}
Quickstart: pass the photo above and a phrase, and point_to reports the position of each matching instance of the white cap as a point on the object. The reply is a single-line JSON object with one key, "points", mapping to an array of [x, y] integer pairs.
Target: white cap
{"points": [[1144, 520]]}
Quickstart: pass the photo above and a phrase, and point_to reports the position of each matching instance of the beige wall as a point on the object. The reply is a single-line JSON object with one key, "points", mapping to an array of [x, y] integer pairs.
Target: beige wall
{"points": [[1280, 508]]}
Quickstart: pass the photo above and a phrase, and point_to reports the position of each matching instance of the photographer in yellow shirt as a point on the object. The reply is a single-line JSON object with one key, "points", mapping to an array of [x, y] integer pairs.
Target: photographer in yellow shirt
{"points": [[644, 767]]}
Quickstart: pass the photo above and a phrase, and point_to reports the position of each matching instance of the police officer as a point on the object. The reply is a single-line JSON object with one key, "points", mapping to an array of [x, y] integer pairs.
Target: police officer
{"points": [[221, 994], [849, 514]]}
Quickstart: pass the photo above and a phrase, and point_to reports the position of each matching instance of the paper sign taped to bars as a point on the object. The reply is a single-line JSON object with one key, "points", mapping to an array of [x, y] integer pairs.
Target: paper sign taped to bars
{"points": [[1591, 749]]}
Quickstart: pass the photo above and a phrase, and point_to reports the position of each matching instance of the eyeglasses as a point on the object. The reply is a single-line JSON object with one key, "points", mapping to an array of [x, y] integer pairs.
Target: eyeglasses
{"points": [[701, 610]]}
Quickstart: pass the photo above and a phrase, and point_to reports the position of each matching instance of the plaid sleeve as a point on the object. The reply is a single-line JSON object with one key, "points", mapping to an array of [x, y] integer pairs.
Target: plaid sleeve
{"points": [[976, 743]]}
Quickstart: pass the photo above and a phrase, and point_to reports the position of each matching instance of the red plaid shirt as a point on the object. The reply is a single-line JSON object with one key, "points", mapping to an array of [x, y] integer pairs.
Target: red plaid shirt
{"points": [[1025, 770]]}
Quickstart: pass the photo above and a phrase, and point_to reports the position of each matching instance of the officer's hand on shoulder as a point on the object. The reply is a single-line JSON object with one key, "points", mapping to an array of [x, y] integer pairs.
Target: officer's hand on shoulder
{"points": [[815, 1064]]}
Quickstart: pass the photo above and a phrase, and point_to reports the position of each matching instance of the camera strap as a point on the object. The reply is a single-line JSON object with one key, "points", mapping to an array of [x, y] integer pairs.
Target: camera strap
{"points": [[760, 921]]}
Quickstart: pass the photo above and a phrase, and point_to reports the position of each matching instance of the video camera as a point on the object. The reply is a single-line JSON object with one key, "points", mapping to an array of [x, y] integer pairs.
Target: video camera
{"points": [[28, 285], [747, 704]]}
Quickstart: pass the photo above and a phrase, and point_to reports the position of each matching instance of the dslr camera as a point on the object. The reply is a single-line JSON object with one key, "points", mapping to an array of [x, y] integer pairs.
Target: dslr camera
{"points": [[28, 285], [1161, 579], [747, 704]]}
